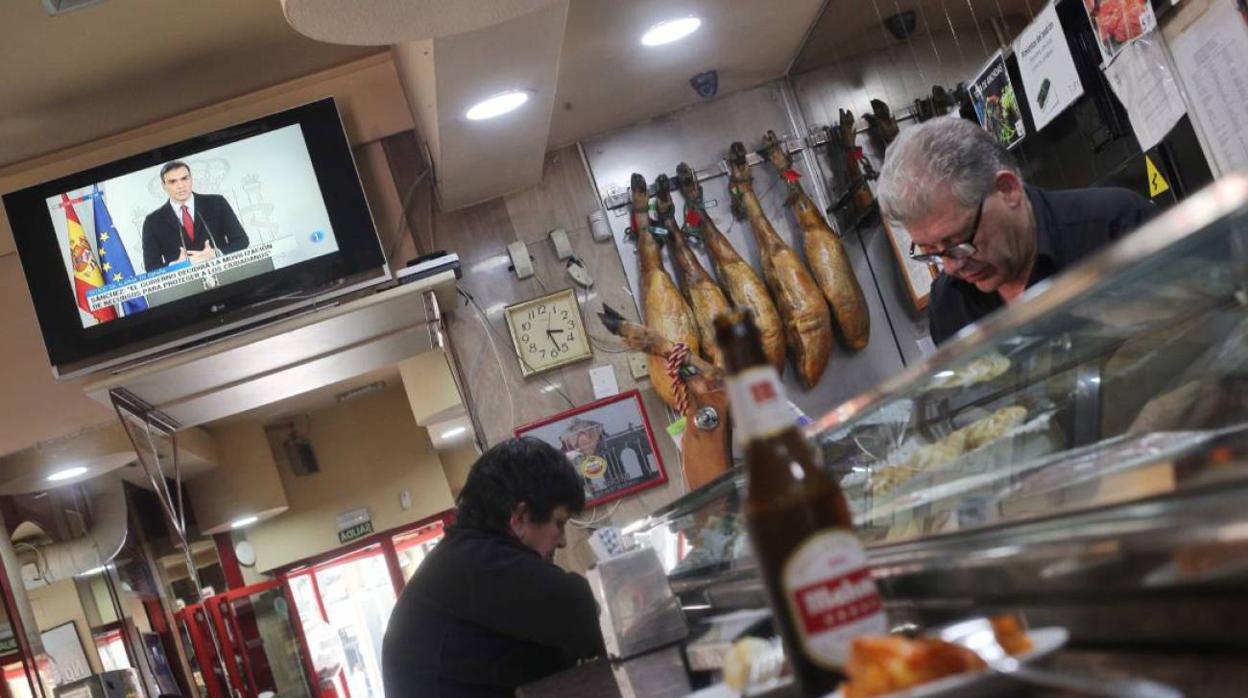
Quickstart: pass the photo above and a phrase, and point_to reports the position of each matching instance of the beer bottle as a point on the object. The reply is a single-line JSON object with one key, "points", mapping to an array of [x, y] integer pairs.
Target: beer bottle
{"points": [[812, 565]]}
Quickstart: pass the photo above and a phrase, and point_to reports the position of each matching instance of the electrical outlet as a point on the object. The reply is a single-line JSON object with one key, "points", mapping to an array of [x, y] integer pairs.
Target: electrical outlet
{"points": [[638, 367]]}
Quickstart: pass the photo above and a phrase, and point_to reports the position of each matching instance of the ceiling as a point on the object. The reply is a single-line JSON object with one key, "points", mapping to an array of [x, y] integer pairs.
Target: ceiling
{"points": [[607, 81], [121, 64], [95, 452], [850, 27], [318, 399]]}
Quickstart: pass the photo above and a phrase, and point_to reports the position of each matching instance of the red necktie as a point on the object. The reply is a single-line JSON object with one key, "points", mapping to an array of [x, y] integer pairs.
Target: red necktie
{"points": [[187, 225]]}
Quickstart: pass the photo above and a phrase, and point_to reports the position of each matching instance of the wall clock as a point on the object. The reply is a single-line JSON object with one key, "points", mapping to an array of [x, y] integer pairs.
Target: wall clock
{"points": [[548, 332]]}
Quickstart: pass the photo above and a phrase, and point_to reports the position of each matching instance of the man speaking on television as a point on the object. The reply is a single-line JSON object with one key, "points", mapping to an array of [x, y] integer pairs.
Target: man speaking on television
{"points": [[189, 227]]}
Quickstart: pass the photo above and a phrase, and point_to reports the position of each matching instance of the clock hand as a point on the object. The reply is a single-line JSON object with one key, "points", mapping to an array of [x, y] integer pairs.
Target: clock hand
{"points": [[549, 331], [551, 337]]}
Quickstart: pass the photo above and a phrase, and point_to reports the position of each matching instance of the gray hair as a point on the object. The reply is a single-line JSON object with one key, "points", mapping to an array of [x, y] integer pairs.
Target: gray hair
{"points": [[939, 157]]}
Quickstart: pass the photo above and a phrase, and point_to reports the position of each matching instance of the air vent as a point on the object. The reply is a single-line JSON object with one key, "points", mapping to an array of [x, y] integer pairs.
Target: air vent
{"points": [[360, 391], [60, 7]]}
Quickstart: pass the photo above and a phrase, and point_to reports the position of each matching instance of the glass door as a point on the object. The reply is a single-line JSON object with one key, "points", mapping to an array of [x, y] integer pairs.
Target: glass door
{"points": [[352, 596], [411, 547], [206, 669], [262, 642]]}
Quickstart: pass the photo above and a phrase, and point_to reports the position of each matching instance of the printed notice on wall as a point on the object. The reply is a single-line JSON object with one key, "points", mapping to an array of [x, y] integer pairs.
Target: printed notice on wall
{"points": [[1050, 80], [1209, 60], [1143, 80], [995, 103]]}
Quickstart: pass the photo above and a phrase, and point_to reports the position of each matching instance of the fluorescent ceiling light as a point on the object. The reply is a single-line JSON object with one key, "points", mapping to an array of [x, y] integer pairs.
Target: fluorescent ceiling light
{"points": [[452, 433], [93, 571], [66, 474], [497, 105], [245, 521], [669, 31]]}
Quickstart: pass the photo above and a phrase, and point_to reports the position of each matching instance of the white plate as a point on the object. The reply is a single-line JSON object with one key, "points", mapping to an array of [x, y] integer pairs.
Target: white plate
{"points": [[1044, 641]]}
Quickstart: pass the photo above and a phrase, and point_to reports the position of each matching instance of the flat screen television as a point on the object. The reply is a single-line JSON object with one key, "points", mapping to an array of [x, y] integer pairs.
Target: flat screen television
{"points": [[168, 248]]}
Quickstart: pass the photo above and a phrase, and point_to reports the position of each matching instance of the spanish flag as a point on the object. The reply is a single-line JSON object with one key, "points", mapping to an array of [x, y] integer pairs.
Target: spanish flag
{"points": [[87, 274]]}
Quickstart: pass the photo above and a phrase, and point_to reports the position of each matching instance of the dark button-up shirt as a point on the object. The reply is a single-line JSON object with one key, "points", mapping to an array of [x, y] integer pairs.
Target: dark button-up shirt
{"points": [[1069, 225], [483, 615]]}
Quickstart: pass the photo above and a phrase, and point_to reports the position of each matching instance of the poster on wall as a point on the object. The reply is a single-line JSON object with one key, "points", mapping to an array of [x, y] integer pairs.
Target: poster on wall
{"points": [[64, 649], [1117, 23], [609, 442], [995, 103], [1046, 67], [1208, 57]]}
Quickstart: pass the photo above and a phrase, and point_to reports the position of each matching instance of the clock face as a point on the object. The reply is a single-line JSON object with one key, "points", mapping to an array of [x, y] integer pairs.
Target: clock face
{"points": [[548, 332]]}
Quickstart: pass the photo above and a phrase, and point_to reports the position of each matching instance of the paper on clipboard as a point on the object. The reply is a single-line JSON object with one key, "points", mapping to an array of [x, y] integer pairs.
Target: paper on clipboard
{"points": [[1142, 79], [1209, 60]]}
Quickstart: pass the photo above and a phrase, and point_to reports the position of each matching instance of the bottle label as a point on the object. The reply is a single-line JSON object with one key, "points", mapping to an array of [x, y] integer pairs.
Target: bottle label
{"points": [[759, 406], [832, 598]]}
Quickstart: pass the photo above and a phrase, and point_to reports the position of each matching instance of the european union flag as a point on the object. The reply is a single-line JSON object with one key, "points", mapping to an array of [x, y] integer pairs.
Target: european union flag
{"points": [[113, 257]]}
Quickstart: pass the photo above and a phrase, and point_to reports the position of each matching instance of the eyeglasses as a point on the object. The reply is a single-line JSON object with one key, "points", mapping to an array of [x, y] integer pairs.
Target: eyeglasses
{"points": [[962, 250]]}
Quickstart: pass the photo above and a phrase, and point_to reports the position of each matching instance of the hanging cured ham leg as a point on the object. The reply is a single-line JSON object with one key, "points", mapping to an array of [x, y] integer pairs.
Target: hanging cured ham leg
{"points": [[705, 297], [744, 287], [704, 447], [803, 310], [662, 307], [844, 146], [824, 253]]}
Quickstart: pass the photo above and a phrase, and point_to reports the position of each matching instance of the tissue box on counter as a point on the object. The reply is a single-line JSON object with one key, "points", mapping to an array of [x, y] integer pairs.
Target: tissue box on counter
{"points": [[636, 608]]}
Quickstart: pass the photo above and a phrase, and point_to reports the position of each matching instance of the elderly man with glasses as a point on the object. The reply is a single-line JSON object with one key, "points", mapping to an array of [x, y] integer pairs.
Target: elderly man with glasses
{"points": [[960, 196]]}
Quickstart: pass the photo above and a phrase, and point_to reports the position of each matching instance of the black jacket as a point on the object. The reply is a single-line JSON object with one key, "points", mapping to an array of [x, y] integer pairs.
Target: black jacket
{"points": [[482, 615], [1070, 225], [163, 237]]}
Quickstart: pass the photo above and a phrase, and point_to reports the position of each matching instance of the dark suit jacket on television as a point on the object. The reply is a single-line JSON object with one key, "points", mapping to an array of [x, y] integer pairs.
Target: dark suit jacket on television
{"points": [[163, 238]]}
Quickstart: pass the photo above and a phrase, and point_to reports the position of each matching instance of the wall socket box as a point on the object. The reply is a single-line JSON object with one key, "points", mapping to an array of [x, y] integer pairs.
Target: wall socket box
{"points": [[638, 366]]}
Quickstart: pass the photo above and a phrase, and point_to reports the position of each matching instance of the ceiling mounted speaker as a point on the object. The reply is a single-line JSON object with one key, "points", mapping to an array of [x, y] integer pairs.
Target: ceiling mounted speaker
{"points": [[60, 7], [383, 22], [900, 25]]}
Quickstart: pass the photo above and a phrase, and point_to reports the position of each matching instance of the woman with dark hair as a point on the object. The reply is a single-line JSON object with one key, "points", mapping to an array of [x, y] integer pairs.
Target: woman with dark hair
{"points": [[488, 610]]}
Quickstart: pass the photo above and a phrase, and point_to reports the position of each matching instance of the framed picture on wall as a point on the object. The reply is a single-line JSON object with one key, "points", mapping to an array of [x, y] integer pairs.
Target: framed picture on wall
{"points": [[610, 443], [917, 276], [66, 653]]}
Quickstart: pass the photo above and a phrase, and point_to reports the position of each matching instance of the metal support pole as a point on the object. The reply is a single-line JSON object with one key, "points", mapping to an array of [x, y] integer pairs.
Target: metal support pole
{"points": [[134, 413]]}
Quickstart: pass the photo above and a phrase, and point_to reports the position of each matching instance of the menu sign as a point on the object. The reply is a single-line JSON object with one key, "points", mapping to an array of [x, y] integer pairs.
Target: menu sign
{"points": [[1050, 80]]}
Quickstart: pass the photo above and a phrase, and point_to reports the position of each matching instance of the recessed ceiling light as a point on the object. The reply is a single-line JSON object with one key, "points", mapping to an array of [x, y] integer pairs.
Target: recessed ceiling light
{"points": [[452, 433], [66, 474], [497, 105], [245, 521], [669, 31]]}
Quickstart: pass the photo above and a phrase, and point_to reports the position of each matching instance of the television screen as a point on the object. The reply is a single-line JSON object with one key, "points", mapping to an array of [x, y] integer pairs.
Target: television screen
{"points": [[182, 241], [166, 232]]}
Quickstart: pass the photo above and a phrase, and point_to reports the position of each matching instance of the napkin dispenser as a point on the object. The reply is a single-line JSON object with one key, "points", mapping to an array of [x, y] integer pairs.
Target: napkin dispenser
{"points": [[636, 608]]}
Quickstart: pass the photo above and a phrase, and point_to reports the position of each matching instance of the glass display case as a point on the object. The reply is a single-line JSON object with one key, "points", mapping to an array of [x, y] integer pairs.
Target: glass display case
{"points": [[1108, 408]]}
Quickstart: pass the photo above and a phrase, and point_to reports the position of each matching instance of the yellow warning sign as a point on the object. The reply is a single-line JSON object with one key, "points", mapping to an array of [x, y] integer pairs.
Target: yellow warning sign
{"points": [[1156, 183]]}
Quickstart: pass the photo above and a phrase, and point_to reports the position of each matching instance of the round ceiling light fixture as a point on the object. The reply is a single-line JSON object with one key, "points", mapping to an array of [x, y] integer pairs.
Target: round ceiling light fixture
{"points": [[499, 104], [66, 474], [245, 521], [669, 31]]}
